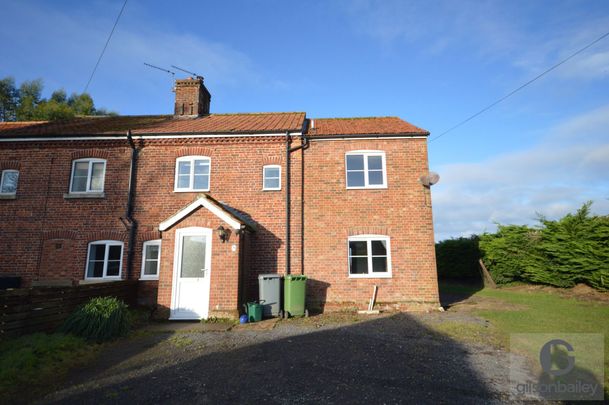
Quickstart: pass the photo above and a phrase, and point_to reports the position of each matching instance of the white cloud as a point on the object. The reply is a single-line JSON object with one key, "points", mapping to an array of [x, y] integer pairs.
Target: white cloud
{"points": [[568, 167], [490, 31]]}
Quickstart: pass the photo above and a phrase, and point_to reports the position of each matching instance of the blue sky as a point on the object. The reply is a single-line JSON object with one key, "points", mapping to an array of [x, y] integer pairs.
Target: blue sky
{"points": [[433, 63]]}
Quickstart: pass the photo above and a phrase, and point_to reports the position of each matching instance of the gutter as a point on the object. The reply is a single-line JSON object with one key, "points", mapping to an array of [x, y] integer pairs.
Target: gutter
{"points": [[379, 136], [129, 221], [288, 152]]}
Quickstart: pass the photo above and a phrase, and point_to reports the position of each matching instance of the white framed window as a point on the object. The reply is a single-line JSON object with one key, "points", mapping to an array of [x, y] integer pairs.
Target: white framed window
{"points": [[151, 259], [365, 169], [271, 177], [8, 182], [104, 259], [369, 256], [192, 173], [88, 176]]}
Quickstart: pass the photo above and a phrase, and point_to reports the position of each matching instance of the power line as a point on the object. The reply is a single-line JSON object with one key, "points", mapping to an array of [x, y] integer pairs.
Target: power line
{"points": [[471, 117], [101, 55]]}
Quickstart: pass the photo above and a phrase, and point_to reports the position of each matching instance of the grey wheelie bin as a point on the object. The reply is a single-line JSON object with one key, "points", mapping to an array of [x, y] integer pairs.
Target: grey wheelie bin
{"points": [[270, 294]]}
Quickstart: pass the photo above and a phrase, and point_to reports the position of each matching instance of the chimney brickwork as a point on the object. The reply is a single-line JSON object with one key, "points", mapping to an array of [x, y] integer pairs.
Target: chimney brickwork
{"points": [[192, 98]]}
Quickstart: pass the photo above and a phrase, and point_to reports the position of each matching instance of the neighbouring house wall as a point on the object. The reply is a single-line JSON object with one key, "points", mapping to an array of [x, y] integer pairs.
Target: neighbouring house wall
{"points": [[402, 211], [44, 235]]}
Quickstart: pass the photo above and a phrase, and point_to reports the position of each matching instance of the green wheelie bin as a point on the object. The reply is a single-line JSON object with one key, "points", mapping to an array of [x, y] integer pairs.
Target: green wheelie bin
{"points": [[294, 293]]}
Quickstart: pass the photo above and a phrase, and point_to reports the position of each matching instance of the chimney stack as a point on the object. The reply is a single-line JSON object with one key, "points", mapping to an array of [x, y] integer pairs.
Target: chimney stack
{"points": [[192, 98]]}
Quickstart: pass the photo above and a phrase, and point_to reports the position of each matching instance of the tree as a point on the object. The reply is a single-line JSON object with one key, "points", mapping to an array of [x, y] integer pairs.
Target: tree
{"points": [[26, 103], [8, 99]]}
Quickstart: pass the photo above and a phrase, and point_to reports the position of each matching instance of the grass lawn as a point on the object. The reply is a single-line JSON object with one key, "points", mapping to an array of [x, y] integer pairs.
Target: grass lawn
{"points": [[37, 362], [537, 311]]}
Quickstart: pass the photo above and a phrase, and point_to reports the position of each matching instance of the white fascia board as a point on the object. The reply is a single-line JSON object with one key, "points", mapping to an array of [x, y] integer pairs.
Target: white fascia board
{"points": [[388, 138], [200, 202], [143, 136]]}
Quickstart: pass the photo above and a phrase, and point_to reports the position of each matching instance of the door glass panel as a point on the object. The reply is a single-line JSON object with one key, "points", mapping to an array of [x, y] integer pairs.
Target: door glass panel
{"points": [[193, 256]]}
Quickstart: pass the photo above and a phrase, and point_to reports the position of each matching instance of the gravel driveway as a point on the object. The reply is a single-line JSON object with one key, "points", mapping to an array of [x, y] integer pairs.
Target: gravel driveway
{"points": [[388, 359]]}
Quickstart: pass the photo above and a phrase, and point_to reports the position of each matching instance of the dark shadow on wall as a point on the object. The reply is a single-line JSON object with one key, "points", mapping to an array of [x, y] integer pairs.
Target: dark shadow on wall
{"points": [[262, 258], [387, 360], [317, 292]]}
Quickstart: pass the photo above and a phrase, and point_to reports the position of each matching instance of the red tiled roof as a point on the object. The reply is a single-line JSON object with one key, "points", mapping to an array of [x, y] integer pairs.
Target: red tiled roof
{"points": [[159, 124], [363, 126]]}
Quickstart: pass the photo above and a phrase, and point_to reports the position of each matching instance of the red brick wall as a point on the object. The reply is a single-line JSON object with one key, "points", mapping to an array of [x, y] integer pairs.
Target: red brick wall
{"points": [[40, 216], [402, 211]]}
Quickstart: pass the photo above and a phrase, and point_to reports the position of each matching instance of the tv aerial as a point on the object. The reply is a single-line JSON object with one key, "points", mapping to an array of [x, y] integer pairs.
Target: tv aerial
{"points": [[161, 69], [187, 71]]}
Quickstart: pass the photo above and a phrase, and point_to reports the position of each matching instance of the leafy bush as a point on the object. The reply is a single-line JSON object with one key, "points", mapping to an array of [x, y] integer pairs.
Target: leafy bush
{"points": [[101, 319], [458, 258], [562, 253]]}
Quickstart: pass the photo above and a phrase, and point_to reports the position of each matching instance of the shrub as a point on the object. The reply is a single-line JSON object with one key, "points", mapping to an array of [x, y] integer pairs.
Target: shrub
{"points": [[100, 319]]}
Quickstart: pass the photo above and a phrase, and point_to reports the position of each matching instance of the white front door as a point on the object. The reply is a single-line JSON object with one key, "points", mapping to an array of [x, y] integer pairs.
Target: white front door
{"points": [[191, 274]]}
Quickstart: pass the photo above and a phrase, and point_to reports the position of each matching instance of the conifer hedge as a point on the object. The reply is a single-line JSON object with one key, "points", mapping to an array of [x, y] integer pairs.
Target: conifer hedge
{"points": [[561, 253]]}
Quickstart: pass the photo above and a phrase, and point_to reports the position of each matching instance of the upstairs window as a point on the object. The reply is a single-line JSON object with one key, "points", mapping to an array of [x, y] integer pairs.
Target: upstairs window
{"points": [[271, 177], [104, 259], [150, 260], [88, 176], [192, 173], [369, 256], [366, 169], [8, 182]]}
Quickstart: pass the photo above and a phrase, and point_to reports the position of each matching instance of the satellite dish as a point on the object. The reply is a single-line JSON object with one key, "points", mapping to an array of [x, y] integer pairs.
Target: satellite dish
{"points": [[430, 179]]}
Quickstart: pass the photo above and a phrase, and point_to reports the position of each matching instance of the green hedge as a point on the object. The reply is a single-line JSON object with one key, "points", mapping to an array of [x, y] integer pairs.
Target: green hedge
{"points": [[562, 253], [458, 258]]}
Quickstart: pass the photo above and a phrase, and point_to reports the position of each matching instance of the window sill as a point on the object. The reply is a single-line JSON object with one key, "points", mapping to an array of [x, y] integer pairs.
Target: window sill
{"points": [[271, 189], [355, 277], [8, 196], [368, 188], [191, 191], [98, 280], [71, 196], [149, 278]]}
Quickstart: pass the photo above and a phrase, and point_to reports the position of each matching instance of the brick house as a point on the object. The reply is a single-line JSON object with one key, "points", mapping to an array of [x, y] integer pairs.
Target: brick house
{"points": [[196, 205]]}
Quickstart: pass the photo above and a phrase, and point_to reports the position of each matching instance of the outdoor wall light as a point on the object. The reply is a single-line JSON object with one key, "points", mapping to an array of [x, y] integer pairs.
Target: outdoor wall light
{"points": [[222, 233]]}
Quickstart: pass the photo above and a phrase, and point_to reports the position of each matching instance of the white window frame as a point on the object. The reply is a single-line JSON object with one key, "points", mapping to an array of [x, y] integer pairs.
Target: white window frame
{"points": [[4, 172], [366, 154], [89, 173], [108, 243], [264, 187], [156, 242], [190, 187], [369, 239]]}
